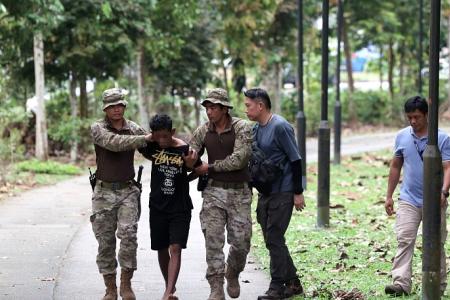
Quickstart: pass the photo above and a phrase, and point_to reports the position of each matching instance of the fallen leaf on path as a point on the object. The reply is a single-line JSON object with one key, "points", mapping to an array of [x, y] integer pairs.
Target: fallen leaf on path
{"points": [[336, 206], [354, 294], [343, 255], [340, 267], [381, 273], [350, 195], [47, 279]]}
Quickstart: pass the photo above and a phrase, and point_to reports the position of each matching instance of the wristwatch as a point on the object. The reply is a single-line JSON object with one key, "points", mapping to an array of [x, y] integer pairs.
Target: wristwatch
{"points": [[446, 194]]}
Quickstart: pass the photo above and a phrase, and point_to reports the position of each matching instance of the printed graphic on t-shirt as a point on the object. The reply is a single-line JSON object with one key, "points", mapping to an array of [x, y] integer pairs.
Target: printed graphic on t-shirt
{"points": [[168, 165]]}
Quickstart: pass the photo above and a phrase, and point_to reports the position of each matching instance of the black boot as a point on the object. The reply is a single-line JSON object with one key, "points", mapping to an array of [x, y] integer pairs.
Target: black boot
{"points": [[293, 287], [272, 294]]}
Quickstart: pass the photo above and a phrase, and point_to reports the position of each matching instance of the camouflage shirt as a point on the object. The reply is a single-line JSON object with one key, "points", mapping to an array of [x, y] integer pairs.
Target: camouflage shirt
{"points": [[114, 149], [109, 138], [238, 159]]}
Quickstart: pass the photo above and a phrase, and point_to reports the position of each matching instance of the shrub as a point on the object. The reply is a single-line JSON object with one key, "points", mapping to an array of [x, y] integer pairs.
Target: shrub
{"points": [[47, 167], [12, 120]]}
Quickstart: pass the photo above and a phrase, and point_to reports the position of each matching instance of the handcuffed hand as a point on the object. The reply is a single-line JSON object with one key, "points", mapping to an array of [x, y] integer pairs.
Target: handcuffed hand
{"points": [[190, 158], [202, 169]]}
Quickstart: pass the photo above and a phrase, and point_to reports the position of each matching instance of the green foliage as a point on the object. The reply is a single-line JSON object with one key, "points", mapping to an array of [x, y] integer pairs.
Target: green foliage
{"points": [[372, 107], [47, 167], [11, 147], [13, 120], [289, 107], [61, 127], [172, 21], [18, 24], [186, 44], [187, 73]]}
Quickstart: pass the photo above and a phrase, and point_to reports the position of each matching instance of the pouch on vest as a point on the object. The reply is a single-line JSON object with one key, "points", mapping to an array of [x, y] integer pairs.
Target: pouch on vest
{"points": [[263, 171]]}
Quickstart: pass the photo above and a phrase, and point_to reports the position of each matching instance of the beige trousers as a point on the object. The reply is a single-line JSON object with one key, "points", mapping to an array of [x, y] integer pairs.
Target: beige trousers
{"points": [[407, 223]]}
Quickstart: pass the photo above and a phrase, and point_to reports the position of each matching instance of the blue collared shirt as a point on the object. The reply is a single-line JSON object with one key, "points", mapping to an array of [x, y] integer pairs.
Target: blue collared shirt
{"points": [[411, 147]]}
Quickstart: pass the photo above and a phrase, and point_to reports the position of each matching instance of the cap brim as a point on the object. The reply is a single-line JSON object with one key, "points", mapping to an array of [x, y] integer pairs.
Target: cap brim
{"points": [[215, 101], [123, 102]]}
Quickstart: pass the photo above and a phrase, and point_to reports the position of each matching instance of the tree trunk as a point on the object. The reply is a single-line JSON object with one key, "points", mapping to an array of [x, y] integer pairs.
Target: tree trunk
{"points": [[143, 114], [41, 122], [197, 110], [402, 68], [178, 108], [348, 58], [83, 98], [278, 80], [380, 67], [306, 71], [448, 47], [149, 97], [391, 62], [446, 105], [74, 116], [348, 65], [448, 58], [225, 74]]}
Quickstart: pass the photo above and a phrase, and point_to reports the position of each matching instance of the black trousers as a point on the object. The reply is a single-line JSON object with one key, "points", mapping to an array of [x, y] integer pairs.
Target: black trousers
{"points": [[274, 214]]}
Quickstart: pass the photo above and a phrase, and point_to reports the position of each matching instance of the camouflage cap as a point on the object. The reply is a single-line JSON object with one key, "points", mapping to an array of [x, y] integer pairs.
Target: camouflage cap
{"points": [[218, 96], [114, 96]]}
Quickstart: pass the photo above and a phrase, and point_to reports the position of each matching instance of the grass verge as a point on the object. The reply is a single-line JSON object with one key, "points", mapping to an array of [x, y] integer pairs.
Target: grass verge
{"points": [[358, 248], [31, 173]]}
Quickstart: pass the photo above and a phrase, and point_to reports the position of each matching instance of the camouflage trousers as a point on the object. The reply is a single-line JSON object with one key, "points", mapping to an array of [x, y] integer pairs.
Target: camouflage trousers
{"points": [[228, 208], [115, 210]]}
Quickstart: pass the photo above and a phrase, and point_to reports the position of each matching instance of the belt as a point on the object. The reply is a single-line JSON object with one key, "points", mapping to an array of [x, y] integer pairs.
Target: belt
{"points": [[115, 185], [228, 185]]}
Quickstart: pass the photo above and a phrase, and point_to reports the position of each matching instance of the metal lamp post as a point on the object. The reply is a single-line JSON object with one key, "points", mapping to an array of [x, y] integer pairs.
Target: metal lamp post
{"points": [[323, 193]]}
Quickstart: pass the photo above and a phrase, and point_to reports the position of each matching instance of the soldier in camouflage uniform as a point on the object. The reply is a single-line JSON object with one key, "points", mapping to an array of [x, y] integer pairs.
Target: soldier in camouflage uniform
{"points": [[115, 198], [227, 197]]}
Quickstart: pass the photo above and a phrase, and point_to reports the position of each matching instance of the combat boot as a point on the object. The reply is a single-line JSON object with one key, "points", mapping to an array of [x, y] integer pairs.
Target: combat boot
{"points": [[233, 288], [111, 288], [125, 284], [216, 284]]}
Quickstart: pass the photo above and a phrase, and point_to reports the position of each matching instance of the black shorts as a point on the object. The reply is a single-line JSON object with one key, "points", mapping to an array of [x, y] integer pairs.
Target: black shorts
{"points": [[169, 228]]}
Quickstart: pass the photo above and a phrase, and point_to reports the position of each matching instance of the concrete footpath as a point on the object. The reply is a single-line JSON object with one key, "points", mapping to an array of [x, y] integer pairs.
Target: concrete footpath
{"points": [[47, 248]]}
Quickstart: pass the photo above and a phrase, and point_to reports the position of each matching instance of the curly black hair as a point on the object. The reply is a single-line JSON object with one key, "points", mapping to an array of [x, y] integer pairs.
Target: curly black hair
{"points": [[160, 122]]}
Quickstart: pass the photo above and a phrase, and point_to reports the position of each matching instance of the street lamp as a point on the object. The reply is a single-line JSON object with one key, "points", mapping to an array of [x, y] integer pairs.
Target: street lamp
{"points": [[323, 192], [301, 118], [337, 104], [432, 172]]}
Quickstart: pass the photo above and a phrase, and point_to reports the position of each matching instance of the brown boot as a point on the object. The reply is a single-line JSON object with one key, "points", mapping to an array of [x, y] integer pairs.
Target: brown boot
{"points": [[216, 284], [125, 285], [111, 288], [233, 288]]}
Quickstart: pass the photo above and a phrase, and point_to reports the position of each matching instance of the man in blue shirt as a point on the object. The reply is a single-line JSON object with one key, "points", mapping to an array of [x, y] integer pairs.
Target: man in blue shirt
{"points": [[275, 137], [410, 144]]}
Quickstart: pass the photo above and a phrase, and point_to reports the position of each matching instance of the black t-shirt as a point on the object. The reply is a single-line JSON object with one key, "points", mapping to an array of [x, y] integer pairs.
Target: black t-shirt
{"points": [[169, 185]]}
